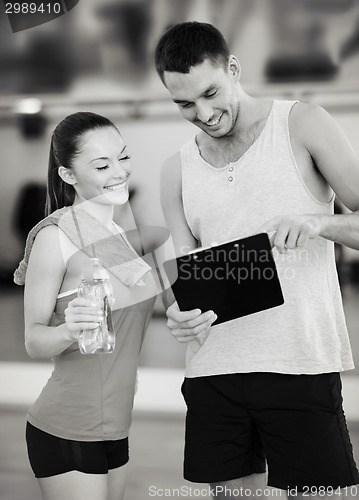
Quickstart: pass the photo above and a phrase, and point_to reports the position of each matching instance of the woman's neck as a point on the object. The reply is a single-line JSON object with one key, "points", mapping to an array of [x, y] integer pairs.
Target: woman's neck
{"points": [[103, 213]]}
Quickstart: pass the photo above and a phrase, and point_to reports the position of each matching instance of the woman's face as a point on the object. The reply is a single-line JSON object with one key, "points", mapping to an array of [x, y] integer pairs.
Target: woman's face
{"points": [[102, 167]]}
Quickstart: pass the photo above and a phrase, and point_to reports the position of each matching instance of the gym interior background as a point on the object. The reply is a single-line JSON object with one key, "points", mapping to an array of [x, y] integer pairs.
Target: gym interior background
{"points": [[99, 57]]}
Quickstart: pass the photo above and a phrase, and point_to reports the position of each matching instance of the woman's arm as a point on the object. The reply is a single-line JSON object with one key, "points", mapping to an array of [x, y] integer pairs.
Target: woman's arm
{"points": [[44, 276]]}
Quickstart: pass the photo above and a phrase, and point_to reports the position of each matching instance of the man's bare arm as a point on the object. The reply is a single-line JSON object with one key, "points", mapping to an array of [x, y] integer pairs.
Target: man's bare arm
{"points": [[192, 325], [337, 162]]}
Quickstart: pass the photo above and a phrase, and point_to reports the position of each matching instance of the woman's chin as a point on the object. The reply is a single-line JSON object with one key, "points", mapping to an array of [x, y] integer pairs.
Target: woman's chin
{"points": [[119, 197]]}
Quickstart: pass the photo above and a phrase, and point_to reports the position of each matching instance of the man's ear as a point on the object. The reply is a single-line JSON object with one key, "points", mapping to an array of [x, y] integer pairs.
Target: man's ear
{"points": [[67, 175], [234, 67]]}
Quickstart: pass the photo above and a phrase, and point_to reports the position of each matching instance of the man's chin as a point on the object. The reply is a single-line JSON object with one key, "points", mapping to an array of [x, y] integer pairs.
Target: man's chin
{"points": [[217, 134]]}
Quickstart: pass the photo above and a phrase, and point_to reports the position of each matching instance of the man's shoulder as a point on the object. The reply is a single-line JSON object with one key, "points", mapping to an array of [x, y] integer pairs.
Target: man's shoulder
{"points": [[305, 113], [171, 173], [308, 121], [172, 164]]}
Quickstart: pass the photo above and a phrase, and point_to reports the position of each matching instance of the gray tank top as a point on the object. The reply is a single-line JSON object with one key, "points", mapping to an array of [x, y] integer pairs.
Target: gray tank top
{"points": [[306, 335], [90, 397]]}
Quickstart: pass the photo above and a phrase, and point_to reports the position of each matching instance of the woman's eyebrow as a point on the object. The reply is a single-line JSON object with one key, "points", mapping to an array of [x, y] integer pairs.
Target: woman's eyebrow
{"points": [[105, 157], [100, 158]]}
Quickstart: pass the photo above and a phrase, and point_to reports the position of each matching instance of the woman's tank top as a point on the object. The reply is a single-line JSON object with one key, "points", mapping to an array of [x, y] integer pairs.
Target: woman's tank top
{"points": [[90, 397], [306, 335]]}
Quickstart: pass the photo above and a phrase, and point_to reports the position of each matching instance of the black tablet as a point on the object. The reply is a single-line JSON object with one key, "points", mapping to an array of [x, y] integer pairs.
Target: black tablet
{"points": [[233, 279]]}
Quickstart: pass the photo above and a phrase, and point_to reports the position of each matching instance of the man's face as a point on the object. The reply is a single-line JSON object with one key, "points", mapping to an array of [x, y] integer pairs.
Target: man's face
{"points": [[206, 96]]}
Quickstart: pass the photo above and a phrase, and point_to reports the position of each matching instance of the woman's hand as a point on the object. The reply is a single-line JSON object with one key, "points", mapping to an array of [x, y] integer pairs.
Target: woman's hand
{"points": [[187, 326], [81, 314]]}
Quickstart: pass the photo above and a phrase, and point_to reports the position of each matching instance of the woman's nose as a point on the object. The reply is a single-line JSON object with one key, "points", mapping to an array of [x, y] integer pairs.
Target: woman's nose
{"points": [[122, 169]]}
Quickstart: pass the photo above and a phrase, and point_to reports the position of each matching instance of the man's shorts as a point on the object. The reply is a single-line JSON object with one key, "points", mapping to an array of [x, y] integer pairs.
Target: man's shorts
{"points": [[237, 423], [50, 455]]}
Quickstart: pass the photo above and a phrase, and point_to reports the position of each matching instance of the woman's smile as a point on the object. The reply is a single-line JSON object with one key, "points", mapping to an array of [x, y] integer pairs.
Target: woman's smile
{"points": [[115, 187]]}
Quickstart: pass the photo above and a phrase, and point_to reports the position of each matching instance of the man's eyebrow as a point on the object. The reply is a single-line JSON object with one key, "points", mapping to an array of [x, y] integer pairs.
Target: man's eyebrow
{"points": [[179, 101], [105, 157], [207, 91], [210, 89]]}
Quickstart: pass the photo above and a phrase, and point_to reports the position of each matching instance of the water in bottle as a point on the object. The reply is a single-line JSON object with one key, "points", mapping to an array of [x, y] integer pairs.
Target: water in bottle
{"points": [[96, 287]]}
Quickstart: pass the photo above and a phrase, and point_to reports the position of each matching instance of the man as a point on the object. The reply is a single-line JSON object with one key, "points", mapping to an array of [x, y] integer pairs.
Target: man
{"points": [[265, 387]]}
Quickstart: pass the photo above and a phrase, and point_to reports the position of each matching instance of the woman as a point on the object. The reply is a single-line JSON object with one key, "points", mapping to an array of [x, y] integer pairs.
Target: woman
{"points": [[77, 430]]}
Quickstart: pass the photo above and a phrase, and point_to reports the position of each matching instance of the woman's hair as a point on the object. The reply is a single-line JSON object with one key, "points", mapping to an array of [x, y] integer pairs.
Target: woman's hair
{"points": [[188, 44], [65, 146]]}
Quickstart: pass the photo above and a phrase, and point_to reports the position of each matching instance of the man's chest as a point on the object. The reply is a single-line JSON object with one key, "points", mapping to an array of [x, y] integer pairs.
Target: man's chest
{"points": [[220, 152]]}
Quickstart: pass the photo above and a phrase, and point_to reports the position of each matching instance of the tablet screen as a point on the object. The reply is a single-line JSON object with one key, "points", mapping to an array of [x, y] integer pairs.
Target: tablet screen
{"points": [[233, 279]]}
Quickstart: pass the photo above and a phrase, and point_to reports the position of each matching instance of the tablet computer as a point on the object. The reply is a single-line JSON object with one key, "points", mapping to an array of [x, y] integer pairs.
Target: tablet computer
{"points": [[233, 279]]}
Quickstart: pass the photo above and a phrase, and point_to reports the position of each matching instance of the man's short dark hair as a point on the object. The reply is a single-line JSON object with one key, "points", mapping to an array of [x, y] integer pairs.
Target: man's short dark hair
{"points": [[188, 44]]}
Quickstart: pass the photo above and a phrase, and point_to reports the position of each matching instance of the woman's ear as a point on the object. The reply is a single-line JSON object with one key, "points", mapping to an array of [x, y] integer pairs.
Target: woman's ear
{"points": [[66, 175], [234, 67]]}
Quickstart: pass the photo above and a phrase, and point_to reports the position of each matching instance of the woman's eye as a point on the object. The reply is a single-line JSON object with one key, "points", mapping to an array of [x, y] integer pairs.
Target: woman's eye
{"points": [[128, 157], [102, 168]]}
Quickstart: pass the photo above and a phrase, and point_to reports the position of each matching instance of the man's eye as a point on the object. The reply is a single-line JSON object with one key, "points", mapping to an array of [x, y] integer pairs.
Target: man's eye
{"points": [[102, 168], [213, 94], [185, 105]]}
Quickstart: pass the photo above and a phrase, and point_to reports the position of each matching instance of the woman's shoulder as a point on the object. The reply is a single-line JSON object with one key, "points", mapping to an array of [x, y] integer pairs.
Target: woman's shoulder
{"points": [[47, 243], [45, 261], [53, 238], [48, 232], [44, 231], [43, 242]]}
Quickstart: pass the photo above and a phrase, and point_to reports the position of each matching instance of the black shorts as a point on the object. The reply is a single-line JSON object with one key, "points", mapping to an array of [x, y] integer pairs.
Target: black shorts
{"points": [[50, 455], [237, 423]]}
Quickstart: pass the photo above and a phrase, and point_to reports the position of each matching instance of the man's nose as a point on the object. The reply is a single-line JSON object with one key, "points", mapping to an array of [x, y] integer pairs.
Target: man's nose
{"points": [[204, 112]]}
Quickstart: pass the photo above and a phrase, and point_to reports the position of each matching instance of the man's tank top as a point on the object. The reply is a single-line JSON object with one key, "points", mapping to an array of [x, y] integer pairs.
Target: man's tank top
{"points": [[307, 334], [90, 397]]}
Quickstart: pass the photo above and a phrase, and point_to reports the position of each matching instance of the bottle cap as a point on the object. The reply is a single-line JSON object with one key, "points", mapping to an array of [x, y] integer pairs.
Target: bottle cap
{"points": [[87, 270], [98, 272]]}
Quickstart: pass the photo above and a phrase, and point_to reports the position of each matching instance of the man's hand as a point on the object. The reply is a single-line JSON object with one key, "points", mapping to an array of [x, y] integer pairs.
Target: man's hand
{"points": [[293, 231], [187, 326]]}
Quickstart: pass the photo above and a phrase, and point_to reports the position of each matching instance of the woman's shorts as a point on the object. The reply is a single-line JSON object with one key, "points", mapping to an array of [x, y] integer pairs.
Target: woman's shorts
{"points": [[238, 424], [50, 455]]}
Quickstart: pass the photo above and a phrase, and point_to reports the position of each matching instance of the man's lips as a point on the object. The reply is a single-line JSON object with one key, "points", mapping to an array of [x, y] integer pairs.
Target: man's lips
{"points": [[213, 123]]}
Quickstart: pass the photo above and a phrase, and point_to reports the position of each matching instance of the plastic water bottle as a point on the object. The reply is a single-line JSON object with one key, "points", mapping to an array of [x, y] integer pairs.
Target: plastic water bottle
{"points": [[96, 287]]}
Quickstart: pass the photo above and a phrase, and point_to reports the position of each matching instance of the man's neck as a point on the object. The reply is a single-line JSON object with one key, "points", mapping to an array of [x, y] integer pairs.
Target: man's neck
{"points": [[252, 118]]}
